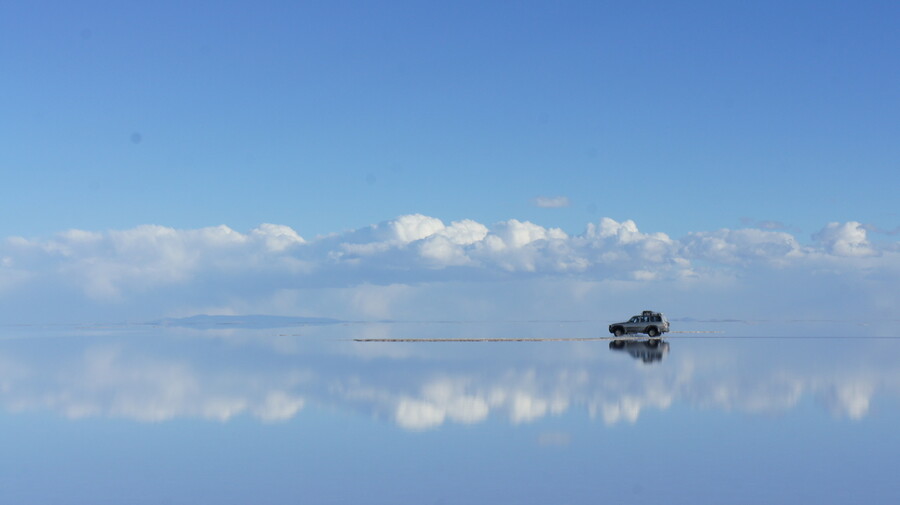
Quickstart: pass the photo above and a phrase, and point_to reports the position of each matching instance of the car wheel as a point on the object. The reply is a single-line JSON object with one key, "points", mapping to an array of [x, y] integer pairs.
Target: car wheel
{"points": [[618, 332], [653, 332]]}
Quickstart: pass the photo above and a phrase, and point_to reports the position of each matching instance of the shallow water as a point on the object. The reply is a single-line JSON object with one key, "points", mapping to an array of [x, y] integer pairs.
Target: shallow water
{"points": [[245, 412]]}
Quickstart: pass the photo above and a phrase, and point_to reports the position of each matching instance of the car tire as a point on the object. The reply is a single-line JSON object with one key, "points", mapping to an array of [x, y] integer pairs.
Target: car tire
{"points": [[618, 332], [653, 332]]}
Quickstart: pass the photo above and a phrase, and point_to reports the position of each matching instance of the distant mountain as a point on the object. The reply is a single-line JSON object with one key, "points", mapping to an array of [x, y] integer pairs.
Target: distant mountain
{"points": [[203, 321]]}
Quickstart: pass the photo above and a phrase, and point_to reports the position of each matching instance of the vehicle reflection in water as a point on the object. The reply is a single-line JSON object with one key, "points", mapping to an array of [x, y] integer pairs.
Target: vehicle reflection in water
{"points": [[648, 351]]}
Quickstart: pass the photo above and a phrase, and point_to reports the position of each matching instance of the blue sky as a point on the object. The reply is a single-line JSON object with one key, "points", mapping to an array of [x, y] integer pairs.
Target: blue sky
{"points": [[329, 117]]}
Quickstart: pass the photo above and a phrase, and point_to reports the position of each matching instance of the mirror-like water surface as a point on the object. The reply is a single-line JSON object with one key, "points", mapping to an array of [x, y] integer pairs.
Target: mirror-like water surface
{"points": [[250, 411]]}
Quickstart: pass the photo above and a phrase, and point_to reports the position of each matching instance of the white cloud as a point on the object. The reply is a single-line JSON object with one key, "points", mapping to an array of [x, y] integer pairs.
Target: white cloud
{"points": [[464, 232], [845, 239], [414, 227], [446, 246], [156, 266], [516, 234], [741, 246], [277, 237], [552, 202], [112, 265]]}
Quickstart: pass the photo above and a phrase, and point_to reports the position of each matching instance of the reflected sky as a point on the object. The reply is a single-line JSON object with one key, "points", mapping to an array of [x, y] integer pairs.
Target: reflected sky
{"points": [[776, 411]]}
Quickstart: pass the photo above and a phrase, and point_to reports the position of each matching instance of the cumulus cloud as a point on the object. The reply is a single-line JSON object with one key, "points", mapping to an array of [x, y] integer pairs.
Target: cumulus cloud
{"points": [[277, 237], [741, 246], [113, 264], [845, 239], [552, 202], [220, 263]]}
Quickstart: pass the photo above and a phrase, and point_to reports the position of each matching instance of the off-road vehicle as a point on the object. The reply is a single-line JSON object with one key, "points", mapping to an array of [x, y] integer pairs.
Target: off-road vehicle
{"points": [[652, 323]]}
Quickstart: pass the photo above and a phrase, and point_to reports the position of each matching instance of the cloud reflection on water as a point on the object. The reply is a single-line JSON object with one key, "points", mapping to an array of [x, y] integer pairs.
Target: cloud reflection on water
{"points": [[218, 375]]}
